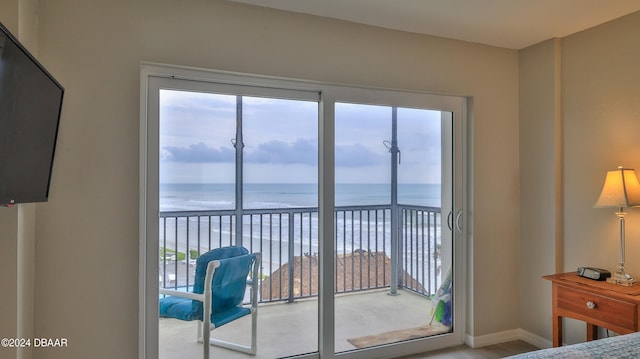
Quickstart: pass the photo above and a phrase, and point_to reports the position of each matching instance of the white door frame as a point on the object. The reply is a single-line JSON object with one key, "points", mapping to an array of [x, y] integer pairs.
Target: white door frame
{"points": [[330, 93]]}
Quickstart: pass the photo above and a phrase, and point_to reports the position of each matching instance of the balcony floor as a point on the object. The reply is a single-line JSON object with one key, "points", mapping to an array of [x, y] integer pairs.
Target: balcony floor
{"points": [[289, 329]]}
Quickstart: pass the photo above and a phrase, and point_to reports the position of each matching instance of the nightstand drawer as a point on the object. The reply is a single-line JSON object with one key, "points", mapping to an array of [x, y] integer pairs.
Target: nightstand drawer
{"points": [[597, 307]]}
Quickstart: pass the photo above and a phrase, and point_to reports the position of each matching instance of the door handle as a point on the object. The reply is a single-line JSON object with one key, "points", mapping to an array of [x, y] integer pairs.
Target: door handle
{"points": [[449, 218], [458, 221]]}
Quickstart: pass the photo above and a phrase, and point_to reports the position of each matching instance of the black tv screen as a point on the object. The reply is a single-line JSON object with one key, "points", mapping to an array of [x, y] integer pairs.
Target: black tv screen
{"points": [[30, 105]]}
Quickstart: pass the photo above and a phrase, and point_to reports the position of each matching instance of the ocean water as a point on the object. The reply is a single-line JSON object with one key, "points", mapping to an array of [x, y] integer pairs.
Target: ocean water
{"points": [[196, 197]]}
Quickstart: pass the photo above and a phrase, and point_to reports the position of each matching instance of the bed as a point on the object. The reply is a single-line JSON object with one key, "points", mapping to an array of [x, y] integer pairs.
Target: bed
{"points": [[618, 347]]}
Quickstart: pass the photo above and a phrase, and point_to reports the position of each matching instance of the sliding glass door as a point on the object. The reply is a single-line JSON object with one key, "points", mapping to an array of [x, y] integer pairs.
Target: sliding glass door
{"points": [[239, 168], [353, 197], [390, 246]]}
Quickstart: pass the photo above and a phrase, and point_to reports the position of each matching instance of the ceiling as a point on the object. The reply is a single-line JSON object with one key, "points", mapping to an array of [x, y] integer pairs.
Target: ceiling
{"points": [[513, 24]]}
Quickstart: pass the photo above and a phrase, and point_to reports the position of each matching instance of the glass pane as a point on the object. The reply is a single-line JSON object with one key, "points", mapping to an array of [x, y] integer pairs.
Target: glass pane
{"points": [[200, 210], [280, 187], [197, 157], [425, 255], [363, 169], [388, 196], [419, 168], [280, 153]]}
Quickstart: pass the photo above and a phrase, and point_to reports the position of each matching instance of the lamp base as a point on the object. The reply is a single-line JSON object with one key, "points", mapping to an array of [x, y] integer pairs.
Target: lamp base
{"points": [[622, 278]]}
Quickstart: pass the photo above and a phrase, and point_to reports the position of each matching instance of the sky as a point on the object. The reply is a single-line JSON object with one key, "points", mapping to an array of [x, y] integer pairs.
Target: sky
{"points": [[198, 131]]}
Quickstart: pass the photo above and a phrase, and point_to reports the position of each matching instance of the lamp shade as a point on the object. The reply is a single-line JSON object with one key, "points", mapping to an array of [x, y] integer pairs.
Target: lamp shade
{"points": [[621, 189]]}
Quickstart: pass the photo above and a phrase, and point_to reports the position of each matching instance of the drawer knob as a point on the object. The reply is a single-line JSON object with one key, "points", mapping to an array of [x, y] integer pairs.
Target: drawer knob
{"points": [[591, 305]]}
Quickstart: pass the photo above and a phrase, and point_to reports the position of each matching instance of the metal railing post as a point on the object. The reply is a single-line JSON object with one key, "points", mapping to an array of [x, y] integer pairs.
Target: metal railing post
{"points": [[291, 256], [239, 146], [395, 216]]}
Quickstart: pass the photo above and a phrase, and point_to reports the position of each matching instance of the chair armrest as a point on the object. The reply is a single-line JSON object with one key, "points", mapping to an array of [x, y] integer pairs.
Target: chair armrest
{"points": [[177, 293], [254, 281]]}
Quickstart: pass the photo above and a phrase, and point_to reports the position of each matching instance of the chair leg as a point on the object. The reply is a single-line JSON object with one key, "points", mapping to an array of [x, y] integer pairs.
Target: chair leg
{"points": [[254, 330], [200, 339], [248, 349], [206, 338], [233, 346]]}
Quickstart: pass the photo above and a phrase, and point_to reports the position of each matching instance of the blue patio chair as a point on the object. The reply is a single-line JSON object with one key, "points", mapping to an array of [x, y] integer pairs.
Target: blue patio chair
{"points": [[222, 276]]}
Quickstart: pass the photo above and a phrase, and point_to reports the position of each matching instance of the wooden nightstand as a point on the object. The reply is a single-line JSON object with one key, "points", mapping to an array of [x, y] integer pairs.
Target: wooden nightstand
{"points": [[599, 304]]}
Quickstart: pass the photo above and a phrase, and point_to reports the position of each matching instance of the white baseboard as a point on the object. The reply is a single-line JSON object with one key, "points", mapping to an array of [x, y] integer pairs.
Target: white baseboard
{"points": [[490, 339], [507, 336], [535, 340]]}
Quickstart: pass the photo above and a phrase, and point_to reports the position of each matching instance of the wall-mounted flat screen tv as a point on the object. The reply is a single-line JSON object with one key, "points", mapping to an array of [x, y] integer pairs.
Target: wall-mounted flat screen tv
{"points": [[30, 105]]}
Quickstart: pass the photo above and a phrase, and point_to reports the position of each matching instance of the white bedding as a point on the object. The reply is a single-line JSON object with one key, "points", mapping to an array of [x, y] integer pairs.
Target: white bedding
{"points": [[618, 347]]}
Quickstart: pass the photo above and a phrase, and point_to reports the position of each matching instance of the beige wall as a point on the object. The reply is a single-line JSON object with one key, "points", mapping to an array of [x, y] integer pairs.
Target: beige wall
{"points": [[540, 160], [9, 15], [601, 114], [8, 230], [598, 89], [87, 234], [10, 18], [8, 275]]}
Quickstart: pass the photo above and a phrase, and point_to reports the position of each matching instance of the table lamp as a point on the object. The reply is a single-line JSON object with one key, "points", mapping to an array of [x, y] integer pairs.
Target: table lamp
{"points": [[621, 189]]}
